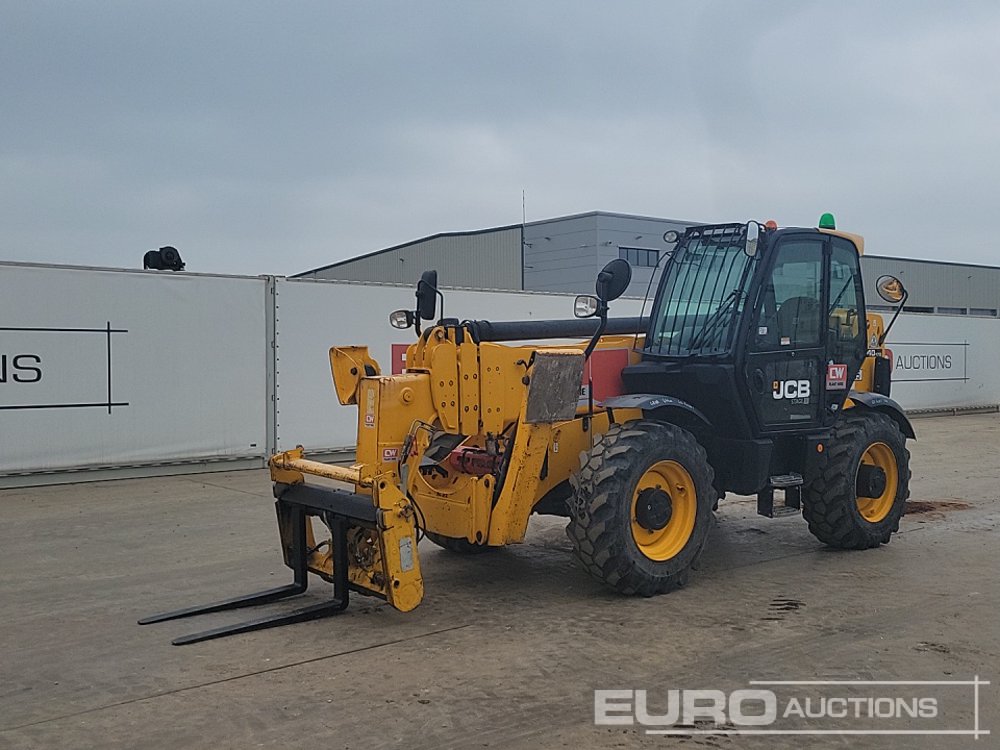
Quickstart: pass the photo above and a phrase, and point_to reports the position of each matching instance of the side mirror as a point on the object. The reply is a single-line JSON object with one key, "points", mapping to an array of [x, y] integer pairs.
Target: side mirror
{"points": [[427, 292], [753, 235], [890, 289], [401, 319], [613, 280], [586, 306]]}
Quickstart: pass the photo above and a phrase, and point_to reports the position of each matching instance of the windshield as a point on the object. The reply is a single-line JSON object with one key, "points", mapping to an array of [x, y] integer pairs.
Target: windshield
{"points": [[703, 291]]}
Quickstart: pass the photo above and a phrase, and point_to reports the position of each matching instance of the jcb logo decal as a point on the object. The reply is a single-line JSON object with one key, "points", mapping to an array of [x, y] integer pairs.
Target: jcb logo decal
{"points": [[790, 389]]}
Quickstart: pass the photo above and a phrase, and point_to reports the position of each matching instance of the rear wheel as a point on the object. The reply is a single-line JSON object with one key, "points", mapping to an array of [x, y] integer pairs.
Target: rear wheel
{"points": [[458, 546], [858, 491], [642, 507]]}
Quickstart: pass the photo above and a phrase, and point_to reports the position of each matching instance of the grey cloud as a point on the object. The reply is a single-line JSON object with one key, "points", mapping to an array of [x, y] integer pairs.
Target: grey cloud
{"points": [[261, 137]]}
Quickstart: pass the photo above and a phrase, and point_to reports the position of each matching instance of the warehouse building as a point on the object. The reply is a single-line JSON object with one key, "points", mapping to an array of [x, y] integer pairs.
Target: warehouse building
{"points": [[565, 253], [562, 254]]}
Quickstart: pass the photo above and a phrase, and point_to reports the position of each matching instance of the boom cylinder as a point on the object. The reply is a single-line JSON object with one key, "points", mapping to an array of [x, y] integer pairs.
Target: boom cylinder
{"points": [[524, 330]]}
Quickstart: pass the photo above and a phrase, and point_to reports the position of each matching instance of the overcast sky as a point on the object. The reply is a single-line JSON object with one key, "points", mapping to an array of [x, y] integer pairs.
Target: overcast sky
{"points": [[276, 137]]}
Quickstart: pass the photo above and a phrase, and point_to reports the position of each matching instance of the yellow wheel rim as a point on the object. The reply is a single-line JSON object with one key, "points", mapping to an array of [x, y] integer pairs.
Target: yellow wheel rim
{"points": [[672, 478], [874, 509]]}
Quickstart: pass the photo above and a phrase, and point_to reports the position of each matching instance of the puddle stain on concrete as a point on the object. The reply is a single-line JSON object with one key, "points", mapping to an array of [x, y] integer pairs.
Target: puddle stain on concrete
{"points": [[781, 605], [931, 506]]}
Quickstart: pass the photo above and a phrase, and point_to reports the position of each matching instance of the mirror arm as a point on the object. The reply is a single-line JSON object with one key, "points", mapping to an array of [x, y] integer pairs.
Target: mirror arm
{"points": [[439, 294], [906, 296], [434, 290], [602, 313]]}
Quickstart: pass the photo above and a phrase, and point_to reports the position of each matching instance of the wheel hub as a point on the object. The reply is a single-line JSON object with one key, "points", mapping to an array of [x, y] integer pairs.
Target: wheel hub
{"points": [[871, 481], [653, 509]]}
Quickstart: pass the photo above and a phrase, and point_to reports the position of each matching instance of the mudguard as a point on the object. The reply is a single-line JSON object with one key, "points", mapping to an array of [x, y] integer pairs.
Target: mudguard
{"points": [[652, 402], [886, 405]]}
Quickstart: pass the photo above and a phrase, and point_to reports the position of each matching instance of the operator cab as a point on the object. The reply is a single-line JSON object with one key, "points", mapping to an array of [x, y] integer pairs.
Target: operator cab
{"points": [[762, 331]]}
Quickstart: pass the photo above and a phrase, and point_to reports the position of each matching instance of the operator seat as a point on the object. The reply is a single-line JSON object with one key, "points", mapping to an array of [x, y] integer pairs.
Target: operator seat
{"points": [[799, 319]]}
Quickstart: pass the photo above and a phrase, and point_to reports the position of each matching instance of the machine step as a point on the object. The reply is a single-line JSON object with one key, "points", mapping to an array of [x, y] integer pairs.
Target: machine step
{"points": [[791, 487], [780, 511], [781, 481]]}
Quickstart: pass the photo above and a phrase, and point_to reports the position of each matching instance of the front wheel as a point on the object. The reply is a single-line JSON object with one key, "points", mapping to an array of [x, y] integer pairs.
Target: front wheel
{"points": [[858, 490], [642, 507]]}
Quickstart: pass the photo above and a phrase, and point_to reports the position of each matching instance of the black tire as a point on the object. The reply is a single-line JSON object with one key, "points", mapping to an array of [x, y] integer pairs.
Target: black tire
{"points": [[458, 546], [830, 497], [601, 507]]}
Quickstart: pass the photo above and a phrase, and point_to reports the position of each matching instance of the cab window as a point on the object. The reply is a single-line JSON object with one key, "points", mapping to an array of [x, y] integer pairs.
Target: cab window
{"points": [[789, 313], [845, 313]]}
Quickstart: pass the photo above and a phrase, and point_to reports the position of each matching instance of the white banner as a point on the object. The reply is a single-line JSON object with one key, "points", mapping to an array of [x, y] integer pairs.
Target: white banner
{"points": [[106, 368], [111, 368], [944, 361]]}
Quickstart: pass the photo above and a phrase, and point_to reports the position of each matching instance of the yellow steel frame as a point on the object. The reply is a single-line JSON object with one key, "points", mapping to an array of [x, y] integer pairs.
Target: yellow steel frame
{"points": [[479, 391]]}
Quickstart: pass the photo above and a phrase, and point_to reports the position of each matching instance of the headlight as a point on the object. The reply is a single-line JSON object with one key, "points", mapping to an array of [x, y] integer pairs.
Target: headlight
{"points": [[401, 319]]}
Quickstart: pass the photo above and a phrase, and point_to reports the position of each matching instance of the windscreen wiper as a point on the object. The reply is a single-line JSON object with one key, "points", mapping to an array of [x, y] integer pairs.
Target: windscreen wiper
{"points": [[833, 305], [714, 319]]}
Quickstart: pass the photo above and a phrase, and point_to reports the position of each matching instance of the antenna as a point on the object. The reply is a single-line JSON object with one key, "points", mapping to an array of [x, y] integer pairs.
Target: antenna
{"points": [[522, 207]]}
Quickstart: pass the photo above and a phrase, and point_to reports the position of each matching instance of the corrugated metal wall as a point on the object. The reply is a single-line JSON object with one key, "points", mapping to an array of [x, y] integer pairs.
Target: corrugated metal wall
{"points": [[561, 255], [565, 254], [479, 260], [618, 232], [945, 288]]}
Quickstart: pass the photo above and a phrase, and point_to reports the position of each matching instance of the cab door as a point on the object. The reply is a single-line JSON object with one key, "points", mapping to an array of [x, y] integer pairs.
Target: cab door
{"points": [[786, 343], [846, 327]]}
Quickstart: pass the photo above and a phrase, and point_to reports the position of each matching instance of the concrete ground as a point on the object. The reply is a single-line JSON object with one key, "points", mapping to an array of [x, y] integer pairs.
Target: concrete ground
{"points": [[506, 649]]}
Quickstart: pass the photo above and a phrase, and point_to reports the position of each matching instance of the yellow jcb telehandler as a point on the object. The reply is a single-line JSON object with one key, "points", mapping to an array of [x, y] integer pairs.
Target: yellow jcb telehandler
{"points": [[758, 369]]}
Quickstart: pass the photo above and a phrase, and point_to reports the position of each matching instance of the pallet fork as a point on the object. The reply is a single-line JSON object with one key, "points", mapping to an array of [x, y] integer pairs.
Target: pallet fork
{"points": [[294, 505]]}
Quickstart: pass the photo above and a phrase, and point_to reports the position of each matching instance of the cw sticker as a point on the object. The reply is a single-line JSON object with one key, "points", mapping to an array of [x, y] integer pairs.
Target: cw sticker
{"points": [[390, 454], [836, 377], [370, 408]]}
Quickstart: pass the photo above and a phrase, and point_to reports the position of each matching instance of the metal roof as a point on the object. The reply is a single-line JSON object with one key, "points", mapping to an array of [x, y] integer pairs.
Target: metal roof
{"points": [[488, 230]]}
